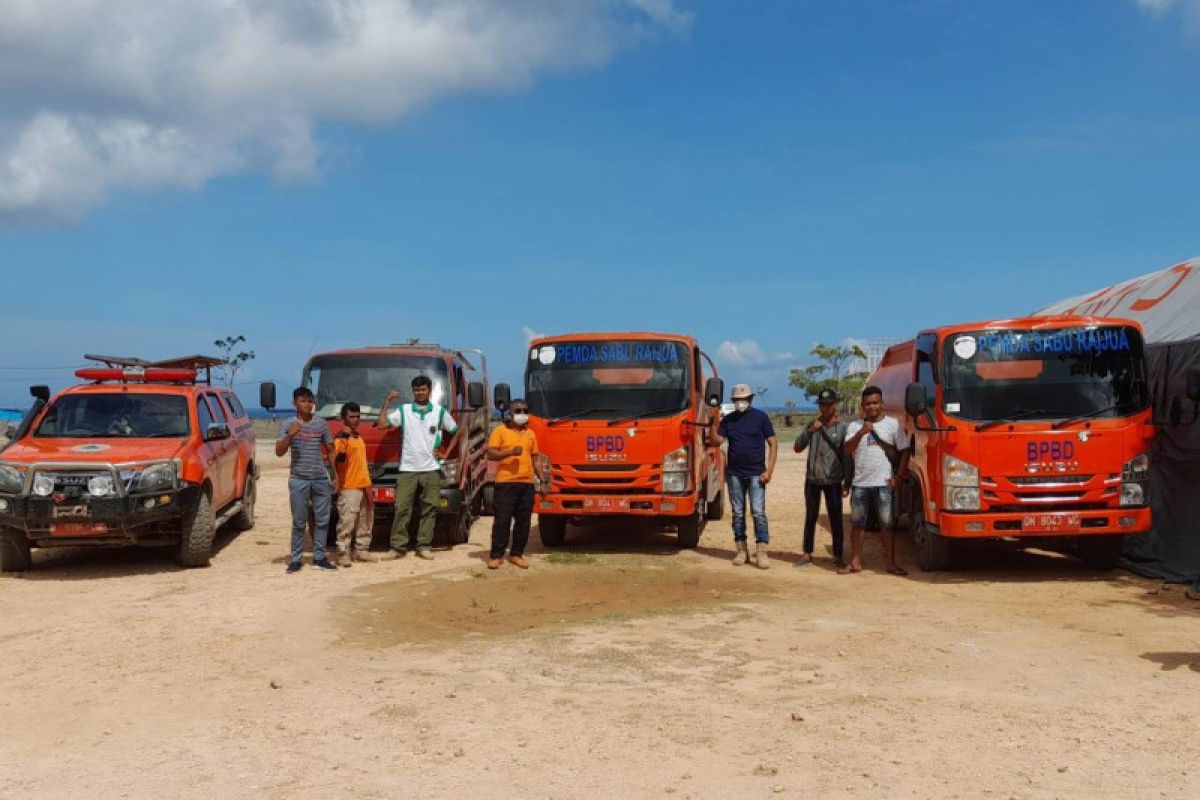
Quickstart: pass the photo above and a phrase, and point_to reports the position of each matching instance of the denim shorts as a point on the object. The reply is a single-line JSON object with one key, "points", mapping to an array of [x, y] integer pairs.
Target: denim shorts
{"points": [[862, 498]]}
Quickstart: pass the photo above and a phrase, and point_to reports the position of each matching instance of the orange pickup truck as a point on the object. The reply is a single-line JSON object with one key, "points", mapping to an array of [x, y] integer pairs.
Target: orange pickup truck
{"points": [[141, 453]]}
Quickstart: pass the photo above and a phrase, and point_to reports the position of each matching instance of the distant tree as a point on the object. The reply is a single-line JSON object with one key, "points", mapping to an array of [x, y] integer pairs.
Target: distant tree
{"points": [[829, 374], [235, 357]]}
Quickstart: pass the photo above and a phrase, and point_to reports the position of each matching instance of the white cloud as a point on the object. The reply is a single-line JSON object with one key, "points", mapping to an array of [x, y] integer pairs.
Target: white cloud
{"points": [[1190, 10], [104, 94], [749, 354]]}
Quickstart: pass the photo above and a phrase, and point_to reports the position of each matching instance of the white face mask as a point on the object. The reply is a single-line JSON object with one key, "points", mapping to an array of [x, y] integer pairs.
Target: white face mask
{"points": [[520, 419], [741, 405]]}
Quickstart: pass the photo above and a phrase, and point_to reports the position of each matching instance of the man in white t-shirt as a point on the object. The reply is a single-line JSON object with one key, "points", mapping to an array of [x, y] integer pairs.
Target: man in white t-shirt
{"points": [[421, 425], [875, 442]]}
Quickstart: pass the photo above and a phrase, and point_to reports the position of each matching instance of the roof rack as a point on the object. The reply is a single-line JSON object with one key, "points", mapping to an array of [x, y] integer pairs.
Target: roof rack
{"points": [[170, 370]]}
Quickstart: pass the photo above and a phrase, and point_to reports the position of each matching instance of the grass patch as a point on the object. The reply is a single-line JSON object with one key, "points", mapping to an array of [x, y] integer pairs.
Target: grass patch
{"points": [[567, 559]]}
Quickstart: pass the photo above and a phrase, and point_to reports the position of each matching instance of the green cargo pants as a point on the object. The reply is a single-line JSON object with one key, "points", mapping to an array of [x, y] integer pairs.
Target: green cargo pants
{"points": [[413, 487]]}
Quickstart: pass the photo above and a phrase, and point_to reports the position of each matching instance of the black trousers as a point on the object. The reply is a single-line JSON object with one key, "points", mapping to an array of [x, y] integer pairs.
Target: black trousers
{"points": [[514, 508], [812, 507]]}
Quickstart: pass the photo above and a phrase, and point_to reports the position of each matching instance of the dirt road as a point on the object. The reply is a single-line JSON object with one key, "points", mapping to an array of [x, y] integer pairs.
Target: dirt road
{"points": [[617, 667]]}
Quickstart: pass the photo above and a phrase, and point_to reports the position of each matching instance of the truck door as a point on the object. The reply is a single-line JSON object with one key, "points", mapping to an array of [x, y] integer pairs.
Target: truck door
{"points": [[222, 451]]}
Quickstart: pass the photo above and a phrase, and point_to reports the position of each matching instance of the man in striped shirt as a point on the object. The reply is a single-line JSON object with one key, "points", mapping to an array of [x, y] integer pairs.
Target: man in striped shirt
{"points": [[308, 439]]}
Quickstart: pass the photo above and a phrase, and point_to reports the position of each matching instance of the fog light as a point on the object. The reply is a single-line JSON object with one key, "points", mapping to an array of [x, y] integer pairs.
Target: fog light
{"points": [[547, 504], [443, 503], [668, 506], [1126, 522], [164, 499], [975, 526], [43, 485], [148, 503]]}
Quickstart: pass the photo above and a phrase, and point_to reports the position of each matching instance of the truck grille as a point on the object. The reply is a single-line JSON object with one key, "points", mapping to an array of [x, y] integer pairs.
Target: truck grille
{"points": [[1047, 480]]}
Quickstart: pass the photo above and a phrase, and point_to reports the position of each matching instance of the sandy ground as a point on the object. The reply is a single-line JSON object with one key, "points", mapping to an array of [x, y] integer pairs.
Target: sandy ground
{"points": [[616, 667]]}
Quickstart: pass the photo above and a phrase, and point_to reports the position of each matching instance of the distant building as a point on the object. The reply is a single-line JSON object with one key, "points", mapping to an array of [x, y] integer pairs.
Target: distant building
{"points": [[874, 348]]}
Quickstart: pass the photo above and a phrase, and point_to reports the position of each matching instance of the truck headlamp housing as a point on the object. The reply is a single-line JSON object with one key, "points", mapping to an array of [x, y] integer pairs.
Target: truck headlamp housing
{"points": [[1133, 494], [675, 482], [43, 485], [101, 486], [675, 471], [1136, 468], [676, 460], [956, 472], [962, 498], [450, 470], [157, 477], [12, 481]]}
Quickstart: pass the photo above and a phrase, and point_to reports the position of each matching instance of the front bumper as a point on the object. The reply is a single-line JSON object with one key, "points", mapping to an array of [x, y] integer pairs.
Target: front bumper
{"points": [[450, 499], [636, 505], [1045, 522], [100, 520]]}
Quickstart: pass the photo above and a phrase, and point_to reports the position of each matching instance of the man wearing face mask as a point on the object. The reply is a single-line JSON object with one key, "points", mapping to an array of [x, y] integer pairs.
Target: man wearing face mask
{"points": [[514, 446], [749, 432]]}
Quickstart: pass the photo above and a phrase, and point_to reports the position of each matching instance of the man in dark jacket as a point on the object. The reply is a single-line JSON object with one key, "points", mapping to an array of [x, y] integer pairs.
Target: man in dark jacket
{"points": [[826, 474]]}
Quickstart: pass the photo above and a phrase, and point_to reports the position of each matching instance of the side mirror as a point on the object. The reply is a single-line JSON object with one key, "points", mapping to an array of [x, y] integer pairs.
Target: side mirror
{"points": [[216, 432], [501, 396], [40, 392], [714, 390], [916, 402], [1192, 384], [476, 395], [266, 395]]}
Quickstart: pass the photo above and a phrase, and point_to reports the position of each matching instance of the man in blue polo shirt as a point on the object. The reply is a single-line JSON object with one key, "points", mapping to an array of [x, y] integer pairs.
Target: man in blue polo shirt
{"points": [[749, 432]]}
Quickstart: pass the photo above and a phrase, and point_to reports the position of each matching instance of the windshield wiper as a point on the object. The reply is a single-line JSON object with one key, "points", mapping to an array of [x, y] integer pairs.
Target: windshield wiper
{"points": [[578, 414], [1019, 415], [642, 415], [1064, 423]]}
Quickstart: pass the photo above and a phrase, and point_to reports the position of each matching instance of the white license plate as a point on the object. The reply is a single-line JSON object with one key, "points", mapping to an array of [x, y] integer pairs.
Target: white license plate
{"points": [[1050, 523]]}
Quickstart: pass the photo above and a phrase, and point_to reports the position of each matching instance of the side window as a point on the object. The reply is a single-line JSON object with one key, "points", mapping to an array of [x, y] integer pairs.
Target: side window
{"points": [[203, 414], [236, 409], [462, 386], [217, 411], [925, 367]]}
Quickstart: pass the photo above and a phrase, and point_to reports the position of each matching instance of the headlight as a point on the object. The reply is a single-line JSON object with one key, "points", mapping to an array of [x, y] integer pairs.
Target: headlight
{"points": [[962, 498], [11, 480], [956, 472], [676, 460], [450, 470], [43, 485], [1133, 494], [100, 486], [156, 477], [674, 482], [1136, 468]]}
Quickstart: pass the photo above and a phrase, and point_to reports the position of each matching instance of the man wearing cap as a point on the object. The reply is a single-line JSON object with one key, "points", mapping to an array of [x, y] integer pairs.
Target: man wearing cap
{"points": [[825, 475], [749, 432]]}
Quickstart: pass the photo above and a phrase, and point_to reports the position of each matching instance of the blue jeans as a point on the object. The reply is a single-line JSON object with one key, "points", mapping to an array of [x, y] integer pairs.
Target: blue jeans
{"points": [[862, 498], [738, 488], [300, 491]]}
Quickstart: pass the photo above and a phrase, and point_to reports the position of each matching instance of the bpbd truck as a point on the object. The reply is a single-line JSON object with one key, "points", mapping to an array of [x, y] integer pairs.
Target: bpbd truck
{"points": [[621, 418], [365, 375], [1027, 428]]}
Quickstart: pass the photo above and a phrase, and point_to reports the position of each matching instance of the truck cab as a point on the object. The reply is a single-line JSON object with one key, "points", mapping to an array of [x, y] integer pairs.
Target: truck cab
{"points": [[622, 419], [140, 453], [1032, 429], [365, 376]]}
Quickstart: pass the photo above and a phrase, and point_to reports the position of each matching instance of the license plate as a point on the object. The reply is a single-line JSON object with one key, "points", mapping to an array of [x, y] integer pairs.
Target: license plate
{"points": [[606, 504], [78, 528], [1050, 523]]}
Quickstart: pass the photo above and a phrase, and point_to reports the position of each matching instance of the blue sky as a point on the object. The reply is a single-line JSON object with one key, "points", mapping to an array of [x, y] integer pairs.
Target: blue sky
{"points": [[761, 174]]}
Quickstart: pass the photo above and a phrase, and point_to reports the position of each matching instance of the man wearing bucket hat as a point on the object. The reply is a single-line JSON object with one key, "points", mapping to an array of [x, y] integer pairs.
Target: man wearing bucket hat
{"points": [[749, 432], [826, 474]]}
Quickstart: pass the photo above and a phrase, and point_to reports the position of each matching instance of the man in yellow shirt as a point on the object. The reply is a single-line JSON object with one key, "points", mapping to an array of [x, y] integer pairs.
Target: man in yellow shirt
{"points": [[356, 516], [514, 446]]}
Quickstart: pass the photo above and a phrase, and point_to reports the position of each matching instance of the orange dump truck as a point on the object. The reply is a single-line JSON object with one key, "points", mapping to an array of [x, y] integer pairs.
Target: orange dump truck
{"points": [[1024, 428], [621, 418]]}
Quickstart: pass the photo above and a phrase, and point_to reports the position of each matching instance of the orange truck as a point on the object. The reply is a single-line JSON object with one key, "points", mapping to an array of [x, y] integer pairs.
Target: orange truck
{"points": [[621, 418], [1035, 429], [365, 375]]}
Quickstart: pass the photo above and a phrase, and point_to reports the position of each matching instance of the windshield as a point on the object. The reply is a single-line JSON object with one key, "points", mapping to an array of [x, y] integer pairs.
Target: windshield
{"points": [[366, 380], [608, 380], [1044, 374], [116, 415]]}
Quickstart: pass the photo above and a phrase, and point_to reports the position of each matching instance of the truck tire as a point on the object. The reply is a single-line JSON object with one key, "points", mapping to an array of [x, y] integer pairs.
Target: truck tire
{"points": [[195, 545], [934, 551], [1101, 552], [14, 551], [454, 528], [690, 528], [244, 519], [552, 529], [716, 508]]}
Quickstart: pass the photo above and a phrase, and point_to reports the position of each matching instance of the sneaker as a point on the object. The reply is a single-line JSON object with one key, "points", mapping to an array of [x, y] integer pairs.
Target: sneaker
{"points": [[425, 553], [518, 561], [294, 567], [365, 556], [392, 555], [325, 565]]}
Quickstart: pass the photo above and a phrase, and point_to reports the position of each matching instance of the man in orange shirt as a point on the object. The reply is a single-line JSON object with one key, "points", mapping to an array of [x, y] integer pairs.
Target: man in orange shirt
{"points": [[514, 446], [356, 516]]}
